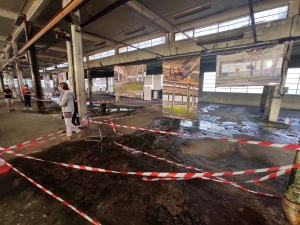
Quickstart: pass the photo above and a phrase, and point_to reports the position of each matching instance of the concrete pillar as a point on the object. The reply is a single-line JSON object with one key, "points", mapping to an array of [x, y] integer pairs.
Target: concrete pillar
{"points": [[34, 67], [90, 81], [78, 69], [75, 61], [19, 72], [269, 100], [278, 92], [263, 100], [1, 82]]}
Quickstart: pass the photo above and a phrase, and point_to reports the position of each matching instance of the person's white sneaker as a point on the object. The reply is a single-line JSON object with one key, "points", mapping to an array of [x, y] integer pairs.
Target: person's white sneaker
{"points": [[30, 108], [25, 108]]}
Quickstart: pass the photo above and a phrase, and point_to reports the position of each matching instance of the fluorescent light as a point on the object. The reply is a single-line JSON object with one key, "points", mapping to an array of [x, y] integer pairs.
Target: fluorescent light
{"points": [[192, 11]]}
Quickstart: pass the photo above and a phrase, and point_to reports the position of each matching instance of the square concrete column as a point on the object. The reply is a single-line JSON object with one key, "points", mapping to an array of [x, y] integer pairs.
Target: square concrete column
{"points": [[278, 92], [78, 69]]}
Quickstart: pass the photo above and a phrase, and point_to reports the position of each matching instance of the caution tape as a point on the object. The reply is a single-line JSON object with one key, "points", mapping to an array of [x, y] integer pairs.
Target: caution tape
{"points": [[100, 101], [261, 143], [159, 174], [219, 179], [49, 136], [53, 195]]}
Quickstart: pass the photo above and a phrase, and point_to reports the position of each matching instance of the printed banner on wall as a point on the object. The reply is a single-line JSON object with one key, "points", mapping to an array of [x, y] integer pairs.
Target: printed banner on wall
{"points": [[55, 83], [258, 67], [180, 87], [129, 80], [47, 89], [62, 77]]}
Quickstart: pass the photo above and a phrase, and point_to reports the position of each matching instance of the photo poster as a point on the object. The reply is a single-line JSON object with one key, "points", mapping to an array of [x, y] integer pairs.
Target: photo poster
{"points": [[47, 89], [181, 87], [129, 80], [257, 67], [62, 77], [55, 83]]}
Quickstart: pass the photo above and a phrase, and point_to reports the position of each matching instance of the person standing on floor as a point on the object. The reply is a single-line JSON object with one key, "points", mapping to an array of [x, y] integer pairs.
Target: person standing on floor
{"points": [[27, 97], [8, 96], [66, 101]]}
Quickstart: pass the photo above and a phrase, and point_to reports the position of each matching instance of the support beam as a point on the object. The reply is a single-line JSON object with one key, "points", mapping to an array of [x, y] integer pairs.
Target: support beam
{"points": [[263, 100], [252, 21], [153, 19], [62, 14], [104, 12], [54, 48], [165, 20], [8, 14]]}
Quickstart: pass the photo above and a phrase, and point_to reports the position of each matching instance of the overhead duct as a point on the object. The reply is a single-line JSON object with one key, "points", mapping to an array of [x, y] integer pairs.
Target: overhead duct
{"points": [[135, 30], [225, 39], [192, 11]]}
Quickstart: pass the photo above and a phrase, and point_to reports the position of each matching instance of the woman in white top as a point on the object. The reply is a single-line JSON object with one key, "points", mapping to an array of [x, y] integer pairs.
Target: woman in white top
{"points": [[66, 101]]}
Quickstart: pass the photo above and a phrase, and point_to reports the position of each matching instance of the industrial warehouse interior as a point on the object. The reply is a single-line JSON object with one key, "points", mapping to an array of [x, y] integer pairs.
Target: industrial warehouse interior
{"points": [[148, 112]]}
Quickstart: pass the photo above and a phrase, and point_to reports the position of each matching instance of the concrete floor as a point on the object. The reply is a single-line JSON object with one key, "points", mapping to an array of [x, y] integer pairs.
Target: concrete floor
{"points": [[213, 120]]}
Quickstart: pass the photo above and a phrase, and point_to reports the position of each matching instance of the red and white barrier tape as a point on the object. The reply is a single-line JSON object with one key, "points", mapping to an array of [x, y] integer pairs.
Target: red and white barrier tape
{"points": [[43, 100], [100, 101], [219, 179], [53, 195], [50, 136], [261, 143], [160, 174]]}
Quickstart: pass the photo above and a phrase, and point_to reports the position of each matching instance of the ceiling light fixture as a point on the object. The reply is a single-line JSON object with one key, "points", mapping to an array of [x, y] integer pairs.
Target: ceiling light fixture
{"points": [[192, 11], [99, 43], [135, 30], [19, 20]]}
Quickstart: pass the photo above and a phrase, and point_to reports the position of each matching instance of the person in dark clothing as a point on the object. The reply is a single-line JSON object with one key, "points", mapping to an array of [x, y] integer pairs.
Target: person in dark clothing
{"points": [[8, 96], [27, 97]]}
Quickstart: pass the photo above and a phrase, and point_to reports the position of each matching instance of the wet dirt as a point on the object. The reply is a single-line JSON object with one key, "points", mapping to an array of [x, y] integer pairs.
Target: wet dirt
{"points": [[122, 199]]}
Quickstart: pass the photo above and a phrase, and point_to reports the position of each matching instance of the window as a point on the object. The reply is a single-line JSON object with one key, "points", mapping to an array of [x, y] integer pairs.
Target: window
{"points": [[260, 17], [158, 41], [206, 30], [102, 55], [84, 59], [41, 71], [50, 68], [62, 65], [181, 36], [143, 44], [272, 14], [209, 85], [123, 49], [293, 81]]}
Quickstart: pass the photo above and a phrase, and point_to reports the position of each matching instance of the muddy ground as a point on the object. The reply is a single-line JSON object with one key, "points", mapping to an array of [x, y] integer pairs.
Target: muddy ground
{"points": [[122, 199]]}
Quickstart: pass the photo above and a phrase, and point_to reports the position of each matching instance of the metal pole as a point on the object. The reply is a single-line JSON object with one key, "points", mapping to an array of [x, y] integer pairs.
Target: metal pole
{"points": [[188, 100], [252, 21]]}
